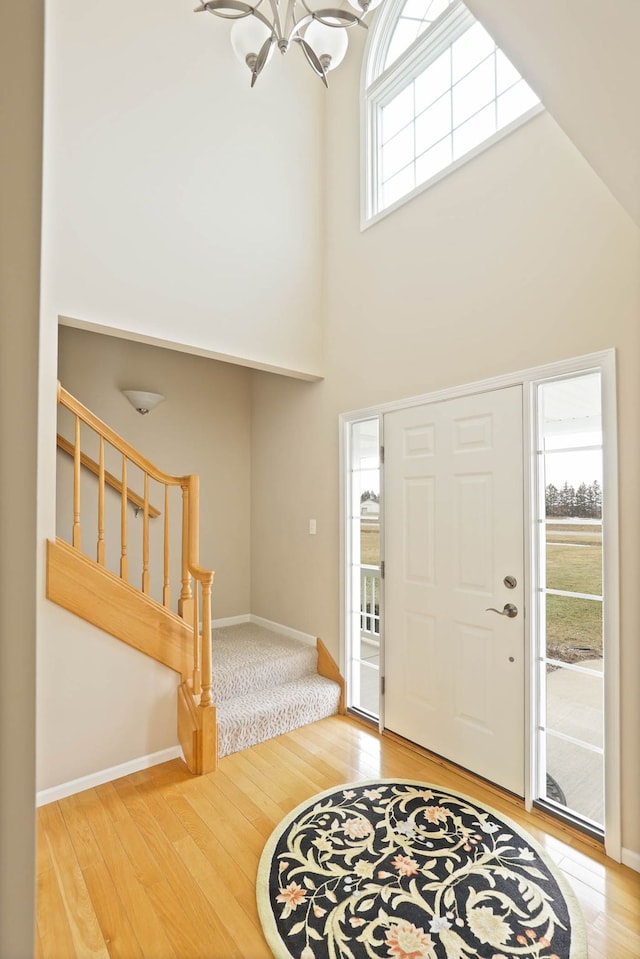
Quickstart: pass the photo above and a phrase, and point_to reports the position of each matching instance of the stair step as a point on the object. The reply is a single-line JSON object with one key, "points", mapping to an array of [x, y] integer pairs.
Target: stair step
{"points": [[249, 658], [254, 717]]}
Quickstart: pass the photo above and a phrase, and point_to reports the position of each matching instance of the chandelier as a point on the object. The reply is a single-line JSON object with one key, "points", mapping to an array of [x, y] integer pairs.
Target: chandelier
{"points": [[260, 27]]}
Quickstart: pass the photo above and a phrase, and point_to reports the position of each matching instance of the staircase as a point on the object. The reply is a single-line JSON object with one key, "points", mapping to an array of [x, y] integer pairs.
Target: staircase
{"points": [[265, 684], [238, 685]]}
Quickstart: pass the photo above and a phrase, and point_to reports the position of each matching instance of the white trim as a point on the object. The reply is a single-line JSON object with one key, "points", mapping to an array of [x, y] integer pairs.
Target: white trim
{"points": [[107, 775], [284, 630], [605, 359], [500, 381], [631, 859], [230, 621], [611, 619]]}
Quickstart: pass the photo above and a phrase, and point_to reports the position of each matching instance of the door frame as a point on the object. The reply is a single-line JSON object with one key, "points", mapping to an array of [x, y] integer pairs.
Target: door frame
{"points": [[605, 362]]}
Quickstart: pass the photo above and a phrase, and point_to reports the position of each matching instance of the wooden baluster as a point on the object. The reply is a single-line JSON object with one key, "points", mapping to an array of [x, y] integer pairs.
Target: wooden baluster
{"points": [[185, 603], [124, 559], [76, 534], [197, 687], [100, 556], [166, 591], [206, 697], [145, 536]]}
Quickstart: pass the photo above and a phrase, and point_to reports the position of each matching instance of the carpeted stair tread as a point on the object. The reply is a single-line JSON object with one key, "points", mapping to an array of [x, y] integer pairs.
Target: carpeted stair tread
{"points": [[249, 719], [248, 658]]}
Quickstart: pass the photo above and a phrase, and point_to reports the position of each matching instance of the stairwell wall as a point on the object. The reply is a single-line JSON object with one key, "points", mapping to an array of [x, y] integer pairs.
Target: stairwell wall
{"points": [[101, 703]]}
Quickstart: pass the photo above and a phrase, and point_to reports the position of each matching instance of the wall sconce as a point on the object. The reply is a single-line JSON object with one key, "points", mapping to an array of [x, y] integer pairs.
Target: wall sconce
{"points": [[142, 401]]}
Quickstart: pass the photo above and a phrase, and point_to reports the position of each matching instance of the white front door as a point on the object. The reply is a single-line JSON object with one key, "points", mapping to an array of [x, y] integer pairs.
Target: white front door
{"points": [[453, 494]]}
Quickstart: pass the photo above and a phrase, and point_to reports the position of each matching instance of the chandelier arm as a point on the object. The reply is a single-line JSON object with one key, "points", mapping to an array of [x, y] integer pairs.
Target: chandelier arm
{"points": [[277, 26], [344, 17], [312, 58], [244, 9], [260, 16], [262, 58]]}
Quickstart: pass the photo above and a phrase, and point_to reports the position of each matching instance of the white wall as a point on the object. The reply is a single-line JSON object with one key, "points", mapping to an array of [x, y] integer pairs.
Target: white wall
{"points": [[181, 205], [519, 258]]}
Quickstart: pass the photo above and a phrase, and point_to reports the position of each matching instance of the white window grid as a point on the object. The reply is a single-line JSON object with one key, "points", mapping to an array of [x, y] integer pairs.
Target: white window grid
{"points": [[383, 84]]}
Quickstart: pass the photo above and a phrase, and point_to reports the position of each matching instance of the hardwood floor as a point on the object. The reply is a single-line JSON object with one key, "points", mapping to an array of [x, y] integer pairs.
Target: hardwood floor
{"points": [[162, 865]]}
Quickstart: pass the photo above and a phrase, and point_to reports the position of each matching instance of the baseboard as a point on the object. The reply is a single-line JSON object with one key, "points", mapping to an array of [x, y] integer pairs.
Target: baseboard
{"points": [[284, 630], [231, 621], [106, 775], [631, 859]]}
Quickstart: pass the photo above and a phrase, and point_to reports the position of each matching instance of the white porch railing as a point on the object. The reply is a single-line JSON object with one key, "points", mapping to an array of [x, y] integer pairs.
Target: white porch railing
{"points": [[370, 603]]}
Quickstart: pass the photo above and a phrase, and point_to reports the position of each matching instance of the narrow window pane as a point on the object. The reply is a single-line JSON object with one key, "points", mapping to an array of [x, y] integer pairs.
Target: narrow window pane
{"points": [[435, 80], [470, 49], [397, 153], [515, 102], [574, 630], [434, 160], [570, 410], [370, 534], [369, 685], [364, 485], [397, 114], [506, 73], [574, 557], [437, 7], [474, 92], [399, 185], [416, 9], [474, 131], [575, 704], [576, 774], [433, 124], [404, 34]]}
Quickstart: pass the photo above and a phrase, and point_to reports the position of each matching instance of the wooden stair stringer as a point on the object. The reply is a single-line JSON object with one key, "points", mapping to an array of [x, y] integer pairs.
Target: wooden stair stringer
{"points": [[83, 587], [328, 668]]}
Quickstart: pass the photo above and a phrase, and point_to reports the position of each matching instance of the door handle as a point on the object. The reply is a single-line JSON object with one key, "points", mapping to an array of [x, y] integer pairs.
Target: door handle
{"points": [[509, 610]]}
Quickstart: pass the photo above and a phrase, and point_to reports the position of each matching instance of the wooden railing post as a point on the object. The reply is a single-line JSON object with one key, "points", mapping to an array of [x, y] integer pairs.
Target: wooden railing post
{"points": [[185, 603], [197, 672], [166, 589], [206, 697], [124, 560], [100, 551], [145, 536], [76, 534]]}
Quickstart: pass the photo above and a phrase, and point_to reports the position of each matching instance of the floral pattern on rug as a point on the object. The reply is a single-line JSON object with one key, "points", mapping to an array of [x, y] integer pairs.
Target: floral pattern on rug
{"points": [[397, 870]]}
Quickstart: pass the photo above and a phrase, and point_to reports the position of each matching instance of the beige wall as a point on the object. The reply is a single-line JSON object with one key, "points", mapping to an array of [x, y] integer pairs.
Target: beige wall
{"points": [[520, 258], [582, 61], [181, 205], [113, 703], [21, 41]]}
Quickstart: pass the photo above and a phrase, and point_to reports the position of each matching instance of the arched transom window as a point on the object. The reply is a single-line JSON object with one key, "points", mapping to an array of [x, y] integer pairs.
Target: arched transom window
{"points": [[437, 90]]}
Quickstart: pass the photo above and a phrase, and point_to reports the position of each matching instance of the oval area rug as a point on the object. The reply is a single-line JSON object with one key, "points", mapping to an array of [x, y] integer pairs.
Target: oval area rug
{"points": [[398, 869]]}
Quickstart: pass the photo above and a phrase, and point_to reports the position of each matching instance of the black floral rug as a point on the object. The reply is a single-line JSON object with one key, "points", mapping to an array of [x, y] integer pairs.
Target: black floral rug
{"points": [[396, 869]]}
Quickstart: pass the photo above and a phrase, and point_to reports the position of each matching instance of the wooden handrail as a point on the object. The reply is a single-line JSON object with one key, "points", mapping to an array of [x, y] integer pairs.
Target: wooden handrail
{"points": [[109, 478], [101, 428]]}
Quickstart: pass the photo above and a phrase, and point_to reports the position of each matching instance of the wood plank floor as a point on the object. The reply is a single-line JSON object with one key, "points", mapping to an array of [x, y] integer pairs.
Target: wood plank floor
{"points": [[162, 865]]}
